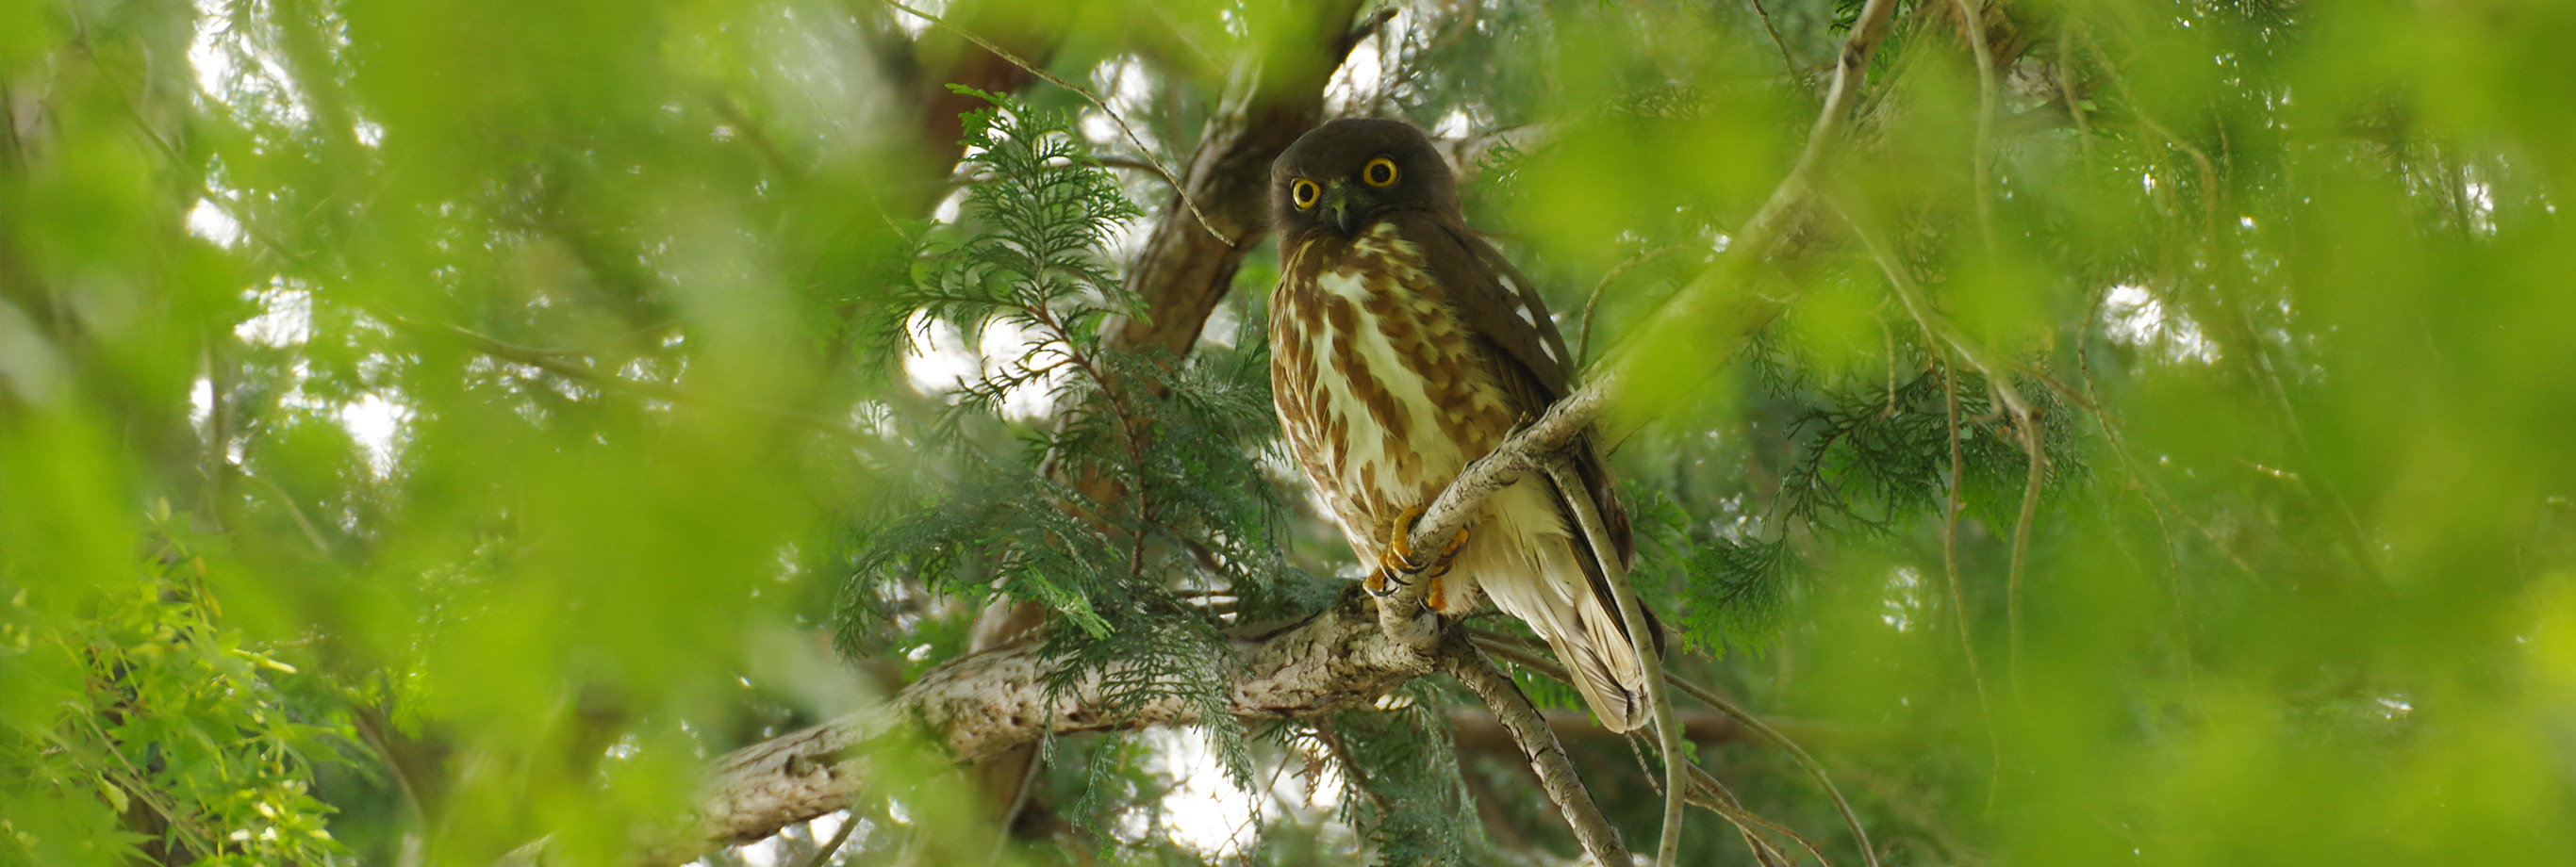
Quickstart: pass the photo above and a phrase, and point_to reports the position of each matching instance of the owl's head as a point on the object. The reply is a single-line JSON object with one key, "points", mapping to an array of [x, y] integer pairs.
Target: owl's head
{"points": [[1345, 175]]}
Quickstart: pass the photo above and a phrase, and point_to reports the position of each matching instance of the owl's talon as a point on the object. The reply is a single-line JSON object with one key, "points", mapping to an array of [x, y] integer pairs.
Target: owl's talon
{"points": [[1395, 561], [1449, 552], [1386, 579], [1399, 542]]}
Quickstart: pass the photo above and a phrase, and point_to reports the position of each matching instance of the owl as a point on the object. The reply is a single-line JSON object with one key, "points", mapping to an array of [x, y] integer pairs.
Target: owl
{"points": [[1403, 347]]}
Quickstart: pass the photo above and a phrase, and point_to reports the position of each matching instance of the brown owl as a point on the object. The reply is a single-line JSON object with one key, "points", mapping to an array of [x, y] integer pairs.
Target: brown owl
{"points": [[1402, 347]]}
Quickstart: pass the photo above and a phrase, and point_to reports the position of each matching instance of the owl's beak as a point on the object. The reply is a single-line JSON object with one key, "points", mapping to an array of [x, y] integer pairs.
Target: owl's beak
{"points": [[1346, 214]]}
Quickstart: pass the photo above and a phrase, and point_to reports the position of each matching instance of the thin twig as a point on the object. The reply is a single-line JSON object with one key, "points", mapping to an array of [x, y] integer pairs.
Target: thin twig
{"points": [[1269, 791], [2066, 90], [1019, 801], [1356, 773], [1587, 517], [312, 534], [2032, 433], [1950, 569], [1972, 18], [1501, 646], [1997, 375], [1135, 165], [2267, 377], [1085, 93], [1851, 64], [1716, 799], [1887, 339], [1787, 61], [1725, 803], [219, 382], [1592, 302], [363, 720], [561, 362], [2023, 417], [751, 132], [850, 822], [1572, 413], [1684, 316], [2208, 171], [2148, 493]]}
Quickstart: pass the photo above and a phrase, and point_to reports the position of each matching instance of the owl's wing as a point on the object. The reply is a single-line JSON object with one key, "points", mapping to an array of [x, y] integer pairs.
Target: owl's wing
{"points": [[1504, 309], [1493, 298]]}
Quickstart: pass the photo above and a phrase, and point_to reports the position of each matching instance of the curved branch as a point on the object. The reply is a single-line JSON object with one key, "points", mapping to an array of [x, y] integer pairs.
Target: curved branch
{"points": [[1972, 18], [1633, 615], [1998, 374], [1851, 65]]}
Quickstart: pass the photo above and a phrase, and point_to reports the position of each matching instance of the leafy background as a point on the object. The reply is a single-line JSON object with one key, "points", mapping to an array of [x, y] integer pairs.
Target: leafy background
{"points": [[428, 428]]}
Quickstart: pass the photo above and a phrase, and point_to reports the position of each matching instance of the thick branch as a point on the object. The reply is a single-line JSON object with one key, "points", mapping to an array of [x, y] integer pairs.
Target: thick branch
{"points": [[985, 703], [1460, 659], [1185, 268]]}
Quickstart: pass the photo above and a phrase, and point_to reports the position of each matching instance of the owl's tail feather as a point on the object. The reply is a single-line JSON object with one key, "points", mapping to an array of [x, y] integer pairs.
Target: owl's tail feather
{"points": [[1555, 588], [1604, 664]]}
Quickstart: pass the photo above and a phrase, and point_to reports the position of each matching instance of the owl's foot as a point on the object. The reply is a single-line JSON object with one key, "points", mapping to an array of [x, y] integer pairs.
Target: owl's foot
{"points": [[1396, 565]]}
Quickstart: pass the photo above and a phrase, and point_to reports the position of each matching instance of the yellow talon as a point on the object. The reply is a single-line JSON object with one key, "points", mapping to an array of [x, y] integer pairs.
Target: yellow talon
{"points": [[1395, 560]]}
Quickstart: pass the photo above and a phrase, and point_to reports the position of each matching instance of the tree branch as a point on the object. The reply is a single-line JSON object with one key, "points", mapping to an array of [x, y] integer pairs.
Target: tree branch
{"points": [[983, 704], [1183, 271], [1851, 65], [1460, 659]]}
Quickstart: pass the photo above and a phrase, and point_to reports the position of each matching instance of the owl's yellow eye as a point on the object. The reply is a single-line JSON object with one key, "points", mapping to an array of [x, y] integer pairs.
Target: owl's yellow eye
{"points": [[1304, 193], [1379, 172]]}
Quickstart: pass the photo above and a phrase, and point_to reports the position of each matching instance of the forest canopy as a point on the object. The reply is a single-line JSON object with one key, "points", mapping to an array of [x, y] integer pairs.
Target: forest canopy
{"points": [[807, 432]]}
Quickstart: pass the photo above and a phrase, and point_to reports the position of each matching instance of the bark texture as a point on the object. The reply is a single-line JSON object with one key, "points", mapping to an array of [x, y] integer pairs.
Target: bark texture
{"points": [[1184, 270], [986, 703]]}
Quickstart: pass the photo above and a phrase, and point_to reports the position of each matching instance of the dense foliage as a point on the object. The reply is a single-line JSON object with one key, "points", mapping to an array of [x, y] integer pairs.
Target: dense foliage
{"points": [[431, 428]]}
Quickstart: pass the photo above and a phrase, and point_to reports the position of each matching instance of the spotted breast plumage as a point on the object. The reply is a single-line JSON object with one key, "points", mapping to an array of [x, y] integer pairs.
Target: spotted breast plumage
{"points": [[1402, 347]]}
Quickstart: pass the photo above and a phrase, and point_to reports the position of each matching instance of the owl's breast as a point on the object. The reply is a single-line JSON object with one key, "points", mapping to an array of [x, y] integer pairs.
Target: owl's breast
{"points": [[1383, 392]]}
